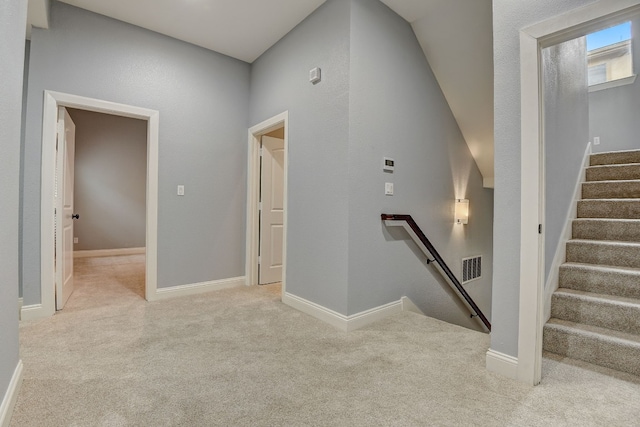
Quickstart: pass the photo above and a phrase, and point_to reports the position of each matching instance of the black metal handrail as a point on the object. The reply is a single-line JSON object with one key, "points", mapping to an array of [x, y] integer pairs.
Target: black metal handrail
{"points": [[443, 265]]}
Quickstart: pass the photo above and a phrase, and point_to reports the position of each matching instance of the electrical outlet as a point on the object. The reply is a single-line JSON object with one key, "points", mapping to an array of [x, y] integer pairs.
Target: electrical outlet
{"points": [[596, 140], [75, 240]]}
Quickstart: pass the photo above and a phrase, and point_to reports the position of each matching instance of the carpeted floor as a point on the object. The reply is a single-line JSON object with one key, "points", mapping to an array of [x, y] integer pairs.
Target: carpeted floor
{"points": [[239, 357]]}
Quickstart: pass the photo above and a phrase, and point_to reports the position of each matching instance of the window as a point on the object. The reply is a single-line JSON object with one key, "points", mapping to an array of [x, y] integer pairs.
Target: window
{"points": [[609, 55]]}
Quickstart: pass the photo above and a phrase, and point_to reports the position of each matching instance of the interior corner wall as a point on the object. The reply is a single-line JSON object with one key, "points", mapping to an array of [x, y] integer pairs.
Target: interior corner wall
{"points": [[203, 101], [509, 17], [398, 110], [566, 134], [110, 181], [318, 148], [25, 90], [13, 18], [614, 113]]}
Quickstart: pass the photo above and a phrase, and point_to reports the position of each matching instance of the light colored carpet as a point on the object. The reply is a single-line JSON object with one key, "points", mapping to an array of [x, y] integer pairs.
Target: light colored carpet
{"points": [[239, 357]]}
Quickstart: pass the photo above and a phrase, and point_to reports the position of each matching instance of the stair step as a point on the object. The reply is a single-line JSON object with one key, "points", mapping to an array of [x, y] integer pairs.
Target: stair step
{"points": [[609, 208], [605, 311], [623, 282], [613, 172], [600, 346], [621, 189], [627, 230], [615, 158], [622, 254]]}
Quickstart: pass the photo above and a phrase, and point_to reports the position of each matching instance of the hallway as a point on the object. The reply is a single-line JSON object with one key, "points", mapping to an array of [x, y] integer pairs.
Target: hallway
{"points": [[239, 357]]}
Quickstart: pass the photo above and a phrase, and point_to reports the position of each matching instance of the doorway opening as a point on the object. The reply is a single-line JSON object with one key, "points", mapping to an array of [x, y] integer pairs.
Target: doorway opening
{"points": [[571, 25], [267, 202], [271, 207], [52, 103], [109, 186]]}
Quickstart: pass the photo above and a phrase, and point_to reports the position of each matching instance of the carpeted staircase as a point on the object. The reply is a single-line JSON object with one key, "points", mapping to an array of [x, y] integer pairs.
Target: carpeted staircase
{"points": [[595, 313]]}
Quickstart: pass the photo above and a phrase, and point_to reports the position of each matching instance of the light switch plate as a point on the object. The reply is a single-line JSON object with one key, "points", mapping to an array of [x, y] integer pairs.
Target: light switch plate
{"points": [[315, 75], [388, 188], [180, 190]]}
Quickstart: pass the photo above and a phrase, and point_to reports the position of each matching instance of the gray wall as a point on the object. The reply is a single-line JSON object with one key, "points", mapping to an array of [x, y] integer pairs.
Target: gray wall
{"points": [[13, 18], [509, 16], [377, 98], [615, 112], [110, 181], [398, 110], [566, 134], [318, 148], [203, 100]]}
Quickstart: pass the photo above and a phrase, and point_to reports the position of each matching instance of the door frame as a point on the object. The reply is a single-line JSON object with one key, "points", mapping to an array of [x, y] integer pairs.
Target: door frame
{"points": [[253, 196], [53, 100], [572, 24]]}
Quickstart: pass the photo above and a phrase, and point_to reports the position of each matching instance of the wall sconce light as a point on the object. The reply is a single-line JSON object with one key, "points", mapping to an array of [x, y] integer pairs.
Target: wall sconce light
{"points": [[462, 211]]}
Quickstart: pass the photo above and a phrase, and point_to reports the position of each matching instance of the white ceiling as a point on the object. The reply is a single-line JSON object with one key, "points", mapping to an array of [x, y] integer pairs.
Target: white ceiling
{"points": [[456, 36], [243, 29]]}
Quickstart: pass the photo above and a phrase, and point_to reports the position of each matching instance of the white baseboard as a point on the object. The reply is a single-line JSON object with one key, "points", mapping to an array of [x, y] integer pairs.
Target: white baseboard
{"points": [[340, 321], [9, 400], [364, 318], [502, 364], [560, 255], [33, 312], [198, 288], [108, 252]]}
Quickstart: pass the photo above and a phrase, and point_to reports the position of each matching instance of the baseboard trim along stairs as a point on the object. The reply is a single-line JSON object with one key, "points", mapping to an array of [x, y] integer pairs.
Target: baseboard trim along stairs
{"points": [[595, 313]]}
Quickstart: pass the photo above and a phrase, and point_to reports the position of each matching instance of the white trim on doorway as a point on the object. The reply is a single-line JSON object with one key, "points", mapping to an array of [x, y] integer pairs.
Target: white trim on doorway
{"points": [[575, 23], [53, 100], [253, 196]]}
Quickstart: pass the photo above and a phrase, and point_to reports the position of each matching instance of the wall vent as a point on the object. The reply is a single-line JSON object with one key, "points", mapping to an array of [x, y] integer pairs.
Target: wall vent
{"points": [[471, 268]]}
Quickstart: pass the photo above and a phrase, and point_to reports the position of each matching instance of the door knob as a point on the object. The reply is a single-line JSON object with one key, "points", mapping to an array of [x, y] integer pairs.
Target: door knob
{"points": [[75, 216]]}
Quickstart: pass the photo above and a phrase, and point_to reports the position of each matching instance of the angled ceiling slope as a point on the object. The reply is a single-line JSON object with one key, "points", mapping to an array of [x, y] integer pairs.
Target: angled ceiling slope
{"points": [[241, 29], [457, 39]]}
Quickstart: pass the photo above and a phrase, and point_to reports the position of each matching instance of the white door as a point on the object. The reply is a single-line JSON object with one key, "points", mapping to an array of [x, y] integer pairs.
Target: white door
{"points": [[64, 207], [272, 213]]}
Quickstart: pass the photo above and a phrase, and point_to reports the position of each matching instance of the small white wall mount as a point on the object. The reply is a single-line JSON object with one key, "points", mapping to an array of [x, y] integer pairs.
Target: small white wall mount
{"points": [[388, 164], [315, 75]]}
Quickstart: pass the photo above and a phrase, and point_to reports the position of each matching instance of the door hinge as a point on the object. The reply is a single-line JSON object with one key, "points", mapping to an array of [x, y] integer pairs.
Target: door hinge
{"points": [[260, 206], [539, 228], [259, 259], [261, 151]]}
